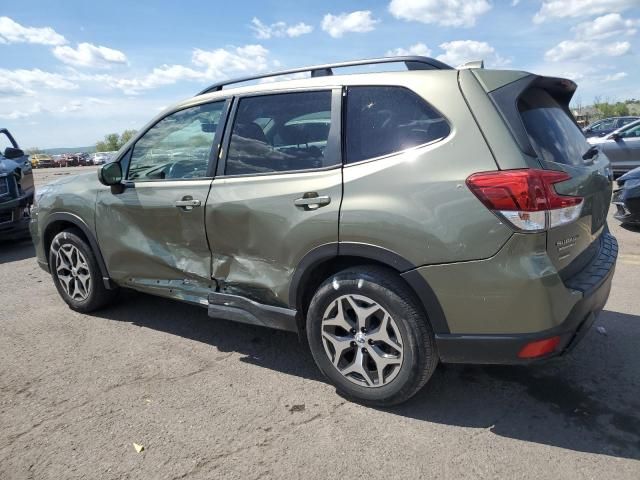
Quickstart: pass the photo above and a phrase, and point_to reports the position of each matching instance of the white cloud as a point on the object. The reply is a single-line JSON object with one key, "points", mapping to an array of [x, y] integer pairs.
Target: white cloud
{"points": [[449, 13], [575, 50], [514, 3], [11, 88], [22, 113], [278, 29], [89, 55], [580, 8], [220, 63], [606, 26], [299, 29], [159, 76], [417, 49], [207, 65], [22, 82], [359, 21], [459, 52], [12, 32], [614, 77]]}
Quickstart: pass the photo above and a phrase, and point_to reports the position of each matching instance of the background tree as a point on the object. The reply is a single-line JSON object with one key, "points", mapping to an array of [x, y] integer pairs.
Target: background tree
{"points": [[126, 136], [112, 141]]}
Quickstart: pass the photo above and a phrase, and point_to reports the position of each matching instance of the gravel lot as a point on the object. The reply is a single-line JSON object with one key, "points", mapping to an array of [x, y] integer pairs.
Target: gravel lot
{"points": [[213, 399]]}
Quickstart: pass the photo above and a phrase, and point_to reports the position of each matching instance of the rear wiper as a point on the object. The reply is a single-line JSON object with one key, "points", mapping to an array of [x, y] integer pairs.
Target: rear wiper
{"points": [[592, 152]]}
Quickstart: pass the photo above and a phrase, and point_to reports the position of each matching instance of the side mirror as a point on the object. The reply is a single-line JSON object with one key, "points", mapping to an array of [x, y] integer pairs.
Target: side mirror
{"points": [[615, 136], [110, 174], [12, 153]]}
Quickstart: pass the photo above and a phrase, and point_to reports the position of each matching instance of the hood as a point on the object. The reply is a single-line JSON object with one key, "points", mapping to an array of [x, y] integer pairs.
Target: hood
{"points": [[635, 173], [74, 178], [7, 166]]}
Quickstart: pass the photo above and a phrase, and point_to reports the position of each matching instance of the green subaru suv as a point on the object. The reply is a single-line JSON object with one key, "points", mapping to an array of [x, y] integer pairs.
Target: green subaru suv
{"points": [[394, 220]]}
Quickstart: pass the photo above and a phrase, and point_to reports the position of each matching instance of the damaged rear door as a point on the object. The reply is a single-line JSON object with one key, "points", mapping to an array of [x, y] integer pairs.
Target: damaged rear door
{"points": [[277, 192]]}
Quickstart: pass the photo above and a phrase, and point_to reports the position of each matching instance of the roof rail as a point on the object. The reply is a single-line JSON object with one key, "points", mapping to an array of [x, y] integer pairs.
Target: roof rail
{"points": [[411, 62]]}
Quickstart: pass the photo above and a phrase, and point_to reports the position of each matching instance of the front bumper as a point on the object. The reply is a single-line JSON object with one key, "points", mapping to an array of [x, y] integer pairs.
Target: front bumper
{"points": [[14, 218], [593, 282], [627, 202]]}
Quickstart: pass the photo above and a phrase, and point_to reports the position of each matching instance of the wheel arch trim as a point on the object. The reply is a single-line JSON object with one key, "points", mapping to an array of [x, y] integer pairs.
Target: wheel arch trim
{"points": [[78, 222], [406, 269]]}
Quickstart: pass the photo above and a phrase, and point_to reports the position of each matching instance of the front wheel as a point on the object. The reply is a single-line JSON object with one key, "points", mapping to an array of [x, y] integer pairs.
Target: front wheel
{"points": [[76, 274], [369, 336]]}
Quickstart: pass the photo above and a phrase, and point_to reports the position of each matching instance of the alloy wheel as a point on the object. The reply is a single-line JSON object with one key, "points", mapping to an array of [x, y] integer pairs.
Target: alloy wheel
{"points": [[73, 272], [362, 340]]}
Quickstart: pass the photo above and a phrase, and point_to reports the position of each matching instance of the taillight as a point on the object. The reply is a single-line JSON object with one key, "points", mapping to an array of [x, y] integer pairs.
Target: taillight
{"points": [[526, 198], [539, 348]]}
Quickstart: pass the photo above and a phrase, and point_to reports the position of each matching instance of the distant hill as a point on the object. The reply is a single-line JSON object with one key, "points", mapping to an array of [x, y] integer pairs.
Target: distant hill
{"points": [[58, 151]]}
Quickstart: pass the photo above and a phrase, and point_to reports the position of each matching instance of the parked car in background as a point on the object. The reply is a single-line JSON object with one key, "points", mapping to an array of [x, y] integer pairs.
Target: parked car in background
{"points": [[602, 127], [394, 220], [622, 147], [627, 198], [83, 159], [16, 188], [100, 158], [42, 160]]}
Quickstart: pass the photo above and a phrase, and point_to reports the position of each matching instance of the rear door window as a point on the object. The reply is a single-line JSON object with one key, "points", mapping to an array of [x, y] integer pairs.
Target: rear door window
{"points": [[553, 134], [382, 120]]}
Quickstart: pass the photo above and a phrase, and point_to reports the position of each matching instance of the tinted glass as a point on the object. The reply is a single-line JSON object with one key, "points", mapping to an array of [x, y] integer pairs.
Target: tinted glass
{"points": [[631, 132], [624, 121], [178, 146], [604, 125], [553, 134], [384, 120], [278, 133]]}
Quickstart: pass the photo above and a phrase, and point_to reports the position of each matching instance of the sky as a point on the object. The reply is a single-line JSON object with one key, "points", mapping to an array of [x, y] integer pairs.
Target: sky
{"points": [[72, 71]]}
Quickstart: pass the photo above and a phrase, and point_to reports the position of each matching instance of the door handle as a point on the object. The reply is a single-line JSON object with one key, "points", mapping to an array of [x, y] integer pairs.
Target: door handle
{"points": [[311, 201], [187, 203]]}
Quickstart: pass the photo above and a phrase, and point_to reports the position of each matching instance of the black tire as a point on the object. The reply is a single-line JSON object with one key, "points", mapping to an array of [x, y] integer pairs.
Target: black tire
{"points": [[420, 356], [98, 296]]}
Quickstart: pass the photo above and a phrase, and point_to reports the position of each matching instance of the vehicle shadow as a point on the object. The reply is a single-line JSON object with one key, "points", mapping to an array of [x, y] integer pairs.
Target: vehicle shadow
{"points": [[16, 250], [631, 227], [587, 401]]}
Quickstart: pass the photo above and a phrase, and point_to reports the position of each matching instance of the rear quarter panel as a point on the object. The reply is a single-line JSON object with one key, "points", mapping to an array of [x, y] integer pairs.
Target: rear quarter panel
{"points": [[416, 203]]}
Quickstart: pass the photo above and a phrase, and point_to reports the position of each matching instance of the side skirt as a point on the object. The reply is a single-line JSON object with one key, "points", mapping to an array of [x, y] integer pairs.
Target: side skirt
{"points": [[240, 309]]}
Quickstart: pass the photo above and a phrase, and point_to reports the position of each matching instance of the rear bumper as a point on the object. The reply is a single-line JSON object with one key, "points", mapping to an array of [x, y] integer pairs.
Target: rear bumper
{"points": [[594, 281]]}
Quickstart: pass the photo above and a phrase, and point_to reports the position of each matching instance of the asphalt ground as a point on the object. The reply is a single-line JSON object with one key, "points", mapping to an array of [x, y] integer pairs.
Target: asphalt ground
{"points": [[213, 399]]}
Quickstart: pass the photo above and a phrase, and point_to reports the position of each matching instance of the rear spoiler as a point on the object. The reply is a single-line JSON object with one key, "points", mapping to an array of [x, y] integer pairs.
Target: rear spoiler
{"points": [[505, 96]]}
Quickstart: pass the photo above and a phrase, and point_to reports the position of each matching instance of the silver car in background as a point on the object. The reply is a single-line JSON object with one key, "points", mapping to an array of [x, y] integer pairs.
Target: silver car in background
{"points": [[622, 147], [100, 158]]}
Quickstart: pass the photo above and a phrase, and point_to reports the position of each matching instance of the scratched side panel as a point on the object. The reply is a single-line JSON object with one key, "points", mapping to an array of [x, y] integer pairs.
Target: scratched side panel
{"points": [[257, 236], [145, 237]]}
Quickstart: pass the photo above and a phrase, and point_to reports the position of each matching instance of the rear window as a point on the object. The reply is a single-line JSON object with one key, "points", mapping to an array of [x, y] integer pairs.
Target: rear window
{"points": [[386, 120], [553, 134]]}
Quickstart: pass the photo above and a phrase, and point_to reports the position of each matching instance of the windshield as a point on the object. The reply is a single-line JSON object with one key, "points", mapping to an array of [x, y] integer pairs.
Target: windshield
{"points": [[631, 129], [553, 133]]}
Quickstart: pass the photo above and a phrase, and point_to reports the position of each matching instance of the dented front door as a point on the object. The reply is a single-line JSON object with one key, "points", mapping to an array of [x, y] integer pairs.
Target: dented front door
{"points": [[152, 236], [152, 232]]}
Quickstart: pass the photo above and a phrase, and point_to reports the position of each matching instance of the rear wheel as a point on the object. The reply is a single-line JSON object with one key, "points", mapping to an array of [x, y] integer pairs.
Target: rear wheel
{"points": [[76, 274], [368, 335]]}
